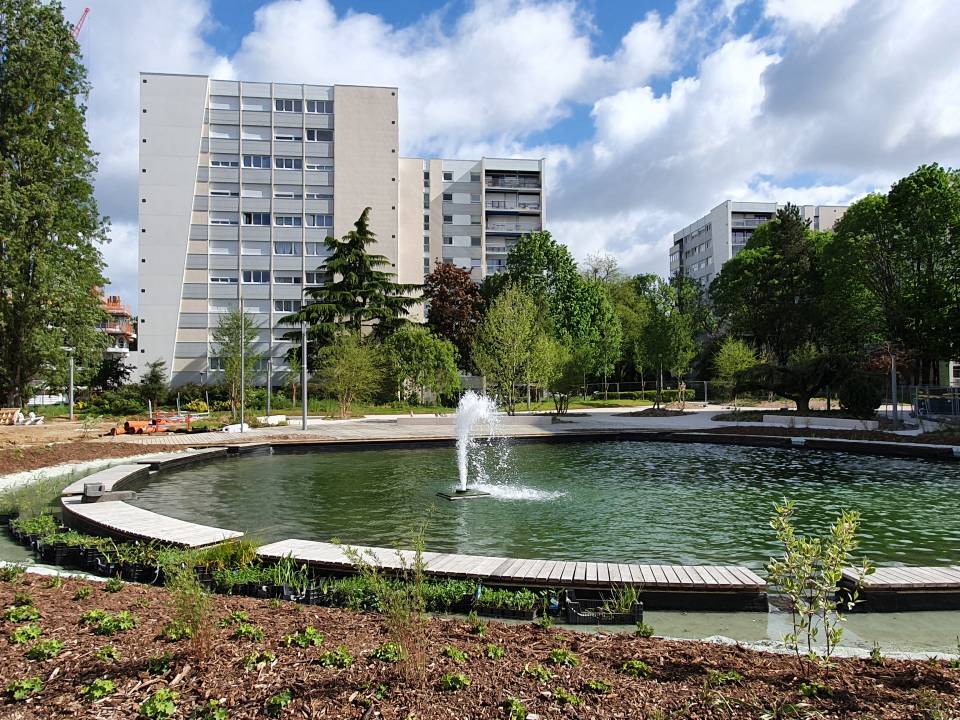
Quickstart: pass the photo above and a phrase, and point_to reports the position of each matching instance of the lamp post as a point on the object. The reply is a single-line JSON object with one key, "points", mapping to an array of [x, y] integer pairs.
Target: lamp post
{"points": [[303, 360], [269, 381], [243, 378], [70, 351]]}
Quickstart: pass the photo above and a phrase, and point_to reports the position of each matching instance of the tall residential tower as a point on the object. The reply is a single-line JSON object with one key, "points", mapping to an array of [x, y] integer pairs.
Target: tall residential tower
{"points": [[240, 182]]}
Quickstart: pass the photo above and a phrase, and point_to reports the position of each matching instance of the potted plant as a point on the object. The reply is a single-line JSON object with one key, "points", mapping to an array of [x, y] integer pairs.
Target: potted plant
{"points": [[621, 606]]}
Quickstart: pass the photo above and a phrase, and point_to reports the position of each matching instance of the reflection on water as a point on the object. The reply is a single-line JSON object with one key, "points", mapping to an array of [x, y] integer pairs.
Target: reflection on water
{"points": [[617, 501]]}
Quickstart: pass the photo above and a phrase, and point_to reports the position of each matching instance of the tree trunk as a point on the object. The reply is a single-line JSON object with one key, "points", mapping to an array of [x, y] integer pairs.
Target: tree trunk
{"points": [[803, 404]]}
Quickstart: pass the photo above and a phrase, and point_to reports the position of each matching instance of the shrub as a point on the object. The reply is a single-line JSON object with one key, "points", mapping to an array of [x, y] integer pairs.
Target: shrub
{"points": [[22, 599], [258, 660], [538, 672], [277, 703], [644, 630], [246, 631], [636, 668], [21, 613], [494, 652], [175, 631], [196, 406], [98, 689], [45, 650], [22, 689], [305, 638], [234, 618], [339, 658], [453, 681], [599, 687], [716, 678], [454, 653], [388, 652], [516, 710], [210, 710], [477, 626], [108, 653], [861, 394], [82, 593], [9, 573], [160, 664], [112, 624], [161, 705], [113, 585], [191, 609], [122, 401], [565, 697], [25, 633], [562, 656]]}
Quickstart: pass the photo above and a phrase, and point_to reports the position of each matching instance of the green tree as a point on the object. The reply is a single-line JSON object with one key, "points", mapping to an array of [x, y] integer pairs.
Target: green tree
{"points": [[294, 370], [233, 342], [50, 227], [667, 340], [357, 292], [350, 371], [509, 341], [734, 357], [454, 307], [111, 373], [418, 361], [153, 383]]}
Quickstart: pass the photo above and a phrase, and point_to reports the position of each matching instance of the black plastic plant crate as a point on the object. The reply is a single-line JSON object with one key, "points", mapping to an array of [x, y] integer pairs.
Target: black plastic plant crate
{"points": [[508, 613], [589, 611]]}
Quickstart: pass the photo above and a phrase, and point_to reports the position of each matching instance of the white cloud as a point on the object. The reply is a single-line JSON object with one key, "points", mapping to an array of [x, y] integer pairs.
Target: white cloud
{"points": [[807, 15]]}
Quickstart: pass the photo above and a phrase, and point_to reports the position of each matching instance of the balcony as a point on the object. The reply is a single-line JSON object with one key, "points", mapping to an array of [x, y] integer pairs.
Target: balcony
{"points": [[513, 181], [748, 222], [508, 206], [508, 227]]}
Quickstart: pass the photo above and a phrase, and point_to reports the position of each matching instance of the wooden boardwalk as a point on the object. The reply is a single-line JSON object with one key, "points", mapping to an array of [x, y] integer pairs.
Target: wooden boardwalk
{"points": [[894, 589], [120, 519], [662, 586]]}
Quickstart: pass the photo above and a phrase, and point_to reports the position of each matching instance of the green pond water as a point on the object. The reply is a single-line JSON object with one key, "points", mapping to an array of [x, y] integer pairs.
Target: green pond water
{"points": [[613, 501]]}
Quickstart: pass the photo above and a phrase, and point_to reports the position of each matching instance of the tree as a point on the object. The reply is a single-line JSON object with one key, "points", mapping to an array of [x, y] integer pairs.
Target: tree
{"points": [[417, 361], [601, 266], [50, 227], [508, 342], [734, 357], [666, 340], [350, 371], [546, 271], [111, 373], [357, 292], [294, 370], [153, 383], [233, 342], [806, 373], [455, 307]]}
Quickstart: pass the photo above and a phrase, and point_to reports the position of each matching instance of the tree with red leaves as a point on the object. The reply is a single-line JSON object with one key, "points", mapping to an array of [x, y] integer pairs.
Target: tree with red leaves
{"points": [[455, 308]]}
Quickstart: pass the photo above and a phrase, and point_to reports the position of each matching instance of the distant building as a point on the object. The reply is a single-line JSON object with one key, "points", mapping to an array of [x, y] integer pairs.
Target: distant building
{"points": [[700, 249], [119, 328]]}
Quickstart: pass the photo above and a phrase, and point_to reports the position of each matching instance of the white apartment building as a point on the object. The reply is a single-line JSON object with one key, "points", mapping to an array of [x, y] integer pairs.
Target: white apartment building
{"points": [[700, 249], [240, 182]]}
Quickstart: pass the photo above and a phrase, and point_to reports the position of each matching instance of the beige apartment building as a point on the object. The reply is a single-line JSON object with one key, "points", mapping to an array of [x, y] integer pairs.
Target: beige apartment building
{"points": [[240, 182]]}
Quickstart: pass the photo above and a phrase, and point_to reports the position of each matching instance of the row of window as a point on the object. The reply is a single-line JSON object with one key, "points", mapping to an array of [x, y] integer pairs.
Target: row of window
{"points": [[280, 163], [474, 219], [320, 220], [277, 193], [448, 176], [324, 107], [448, 240], [313, 135], [474, 197], [262, 277]]}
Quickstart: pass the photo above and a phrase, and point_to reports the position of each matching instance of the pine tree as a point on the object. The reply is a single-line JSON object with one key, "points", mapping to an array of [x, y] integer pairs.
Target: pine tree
{"points": [[50, 227], [357, 292]]}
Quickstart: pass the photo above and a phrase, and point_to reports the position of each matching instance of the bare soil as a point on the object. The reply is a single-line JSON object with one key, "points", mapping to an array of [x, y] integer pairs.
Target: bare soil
{"points": [[52, 431], [677, 685], [32, 457], [934, 438]]}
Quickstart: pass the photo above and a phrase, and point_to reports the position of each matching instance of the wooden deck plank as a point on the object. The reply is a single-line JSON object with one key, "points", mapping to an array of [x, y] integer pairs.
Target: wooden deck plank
{"points": [[671, 574], [603, 574], [685, 578], [659, 576], [569, 570], [546, 570], [580, 575], [613, 574]]}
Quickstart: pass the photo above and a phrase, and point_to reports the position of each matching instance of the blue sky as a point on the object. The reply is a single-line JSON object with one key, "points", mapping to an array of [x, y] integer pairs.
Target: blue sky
{"points": [[648, 113]]}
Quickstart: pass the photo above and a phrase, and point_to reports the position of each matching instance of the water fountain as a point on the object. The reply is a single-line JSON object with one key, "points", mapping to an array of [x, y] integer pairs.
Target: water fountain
{"points": [[475, 413]]}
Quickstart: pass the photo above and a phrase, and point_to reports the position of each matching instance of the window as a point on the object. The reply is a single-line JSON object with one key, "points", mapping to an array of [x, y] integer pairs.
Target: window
{"points": [[215, 363], [324, 195], [314, 248], [288, 163], [314, 135], [287, 279], [474, 177], [256, 218], [224, 193], [319, 220], [320, 106], [474, 219], [448, 197], [224, 162], [287, 137], [426, 178], [283, 105], [448, 218], [316, 278], [286, 248], [224, 279], [474, 197], [474, 242], [256, 161], [286, 306], [426, 222], [287, 220], [426, 201], [448, 176], [447, 240], [474, 262], [286, 194], [257, 277], [222, 221], [317, 165]]}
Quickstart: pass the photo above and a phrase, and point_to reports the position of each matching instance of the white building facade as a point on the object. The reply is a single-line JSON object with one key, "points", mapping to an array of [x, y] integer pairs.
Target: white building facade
{"points": [[700, 249], [241, 182]]}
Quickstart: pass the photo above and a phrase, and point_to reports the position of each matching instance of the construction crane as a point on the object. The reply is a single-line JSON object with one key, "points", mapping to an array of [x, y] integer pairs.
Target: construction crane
{"points": [[79, 25]]}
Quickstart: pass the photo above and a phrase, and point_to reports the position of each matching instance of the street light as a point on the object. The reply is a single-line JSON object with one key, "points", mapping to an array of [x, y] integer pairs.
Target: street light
{"points": [[70, 351], [303, 359]]}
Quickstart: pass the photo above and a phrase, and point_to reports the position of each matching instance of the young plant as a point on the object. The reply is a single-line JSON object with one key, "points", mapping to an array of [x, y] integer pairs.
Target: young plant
{"points": [[544, 622], [636, 668], [389, 652], [494, 651], [22, 689], [876, 655], [622, 600], [598, 687], [538, 672], [245, 631], [454, 653], [82, 593], [814, 689], [54, 582], [516, 710], [339, 658], [277, 703], [564, 697], [450, 682], [305, 638], [258, 660], [234, 618], [476, 625], [45, 650], [21, 613], [809, 574], [191, 609], [161, 705], [562, 656], [108, 653], [22, 599], [175, 630], [211, 710], [114, 584], [25, 633], [716, 678], [98, 689], [10, 573], [112, 624], [644, 630], [160, 664]]}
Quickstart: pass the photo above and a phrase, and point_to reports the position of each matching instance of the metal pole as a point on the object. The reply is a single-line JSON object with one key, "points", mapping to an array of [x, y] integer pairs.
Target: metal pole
{"points": [[243, 378], [269, 385], [893, 387], [303, 373], [705, 400], [71, 387]]}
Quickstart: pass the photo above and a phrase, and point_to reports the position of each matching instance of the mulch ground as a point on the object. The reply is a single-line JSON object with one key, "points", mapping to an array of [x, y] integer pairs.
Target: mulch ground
{"points": [[676, 688], [33, 457], [654, 412], [938, 438]]}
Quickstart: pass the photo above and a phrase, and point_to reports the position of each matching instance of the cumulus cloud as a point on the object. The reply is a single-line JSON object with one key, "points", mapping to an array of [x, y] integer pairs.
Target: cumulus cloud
{"points": [[821, 101]]}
